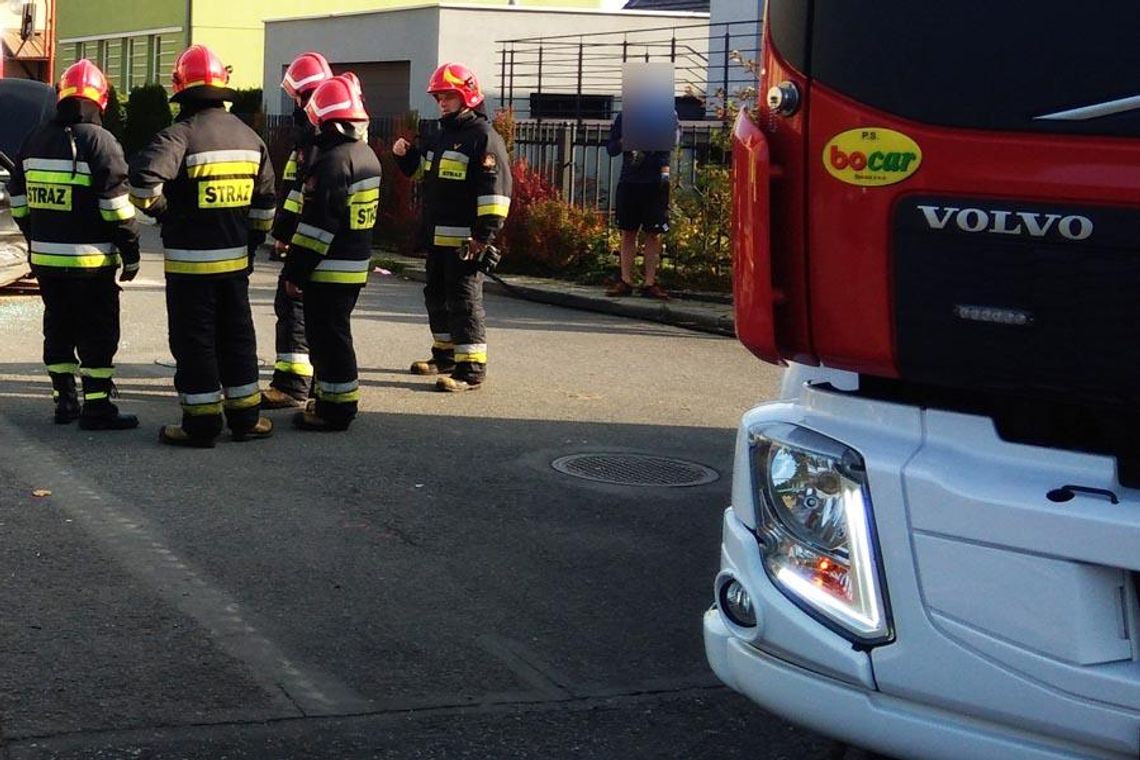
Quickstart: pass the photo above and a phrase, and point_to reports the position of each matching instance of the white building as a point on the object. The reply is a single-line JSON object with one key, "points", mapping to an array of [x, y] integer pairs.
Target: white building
{"points": [[394, 51]]}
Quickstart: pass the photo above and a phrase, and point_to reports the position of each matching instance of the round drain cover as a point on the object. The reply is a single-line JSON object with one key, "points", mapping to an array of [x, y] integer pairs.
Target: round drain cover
{"points": [[635, 470]]}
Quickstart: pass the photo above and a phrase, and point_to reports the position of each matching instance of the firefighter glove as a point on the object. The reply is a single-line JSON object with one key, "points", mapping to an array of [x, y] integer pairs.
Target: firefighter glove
{"points": [[488, 259]]}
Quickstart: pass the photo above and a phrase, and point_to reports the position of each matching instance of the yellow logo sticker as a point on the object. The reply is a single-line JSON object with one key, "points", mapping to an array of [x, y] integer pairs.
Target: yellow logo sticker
{"points": [[49, 197], [362, 216], [871, 156], [225, 193]]}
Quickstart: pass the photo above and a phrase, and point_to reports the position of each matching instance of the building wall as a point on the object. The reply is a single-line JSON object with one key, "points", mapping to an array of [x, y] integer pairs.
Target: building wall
{"points": [[428, 36], [134, 45], [408, 36]]}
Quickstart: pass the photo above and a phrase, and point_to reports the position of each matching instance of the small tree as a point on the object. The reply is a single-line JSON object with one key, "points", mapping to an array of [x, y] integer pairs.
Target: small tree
{"points": [[248, 107], [113, 115], [148, 113]]}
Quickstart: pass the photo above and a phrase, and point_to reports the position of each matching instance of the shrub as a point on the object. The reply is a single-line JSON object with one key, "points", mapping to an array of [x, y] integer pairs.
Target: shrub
{"points": [[249, 108], [546, 235], [397, 218], [698, 245], [113, 119], [148, 113], [504, 123]]}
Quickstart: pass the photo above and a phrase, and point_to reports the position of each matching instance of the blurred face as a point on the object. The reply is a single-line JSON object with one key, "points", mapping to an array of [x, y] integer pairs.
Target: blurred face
{"points": [[449, 102]]}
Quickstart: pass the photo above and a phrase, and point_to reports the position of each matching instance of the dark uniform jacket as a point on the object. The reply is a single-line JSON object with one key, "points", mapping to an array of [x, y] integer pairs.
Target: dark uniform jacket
{"points": [[333, 240], [466, 182], [208, 179], [69, 197], [293, 179]]}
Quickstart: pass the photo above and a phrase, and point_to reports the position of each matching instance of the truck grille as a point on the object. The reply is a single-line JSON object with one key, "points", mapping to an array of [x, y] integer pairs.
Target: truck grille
{"points": [[1004, 295]]}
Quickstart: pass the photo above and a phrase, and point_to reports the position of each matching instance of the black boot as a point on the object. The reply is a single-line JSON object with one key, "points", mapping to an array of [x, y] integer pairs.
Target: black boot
{"points": [[66, 398], [103, 415]]}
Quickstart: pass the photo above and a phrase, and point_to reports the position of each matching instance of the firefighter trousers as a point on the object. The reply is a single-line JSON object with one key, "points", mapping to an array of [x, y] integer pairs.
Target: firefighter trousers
{"points": [[328, 325], [81, 315], [454, 299], [293, 370], [214, 346]]}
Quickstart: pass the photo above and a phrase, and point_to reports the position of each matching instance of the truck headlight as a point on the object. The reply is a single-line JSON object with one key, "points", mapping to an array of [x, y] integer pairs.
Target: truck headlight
{"points": [[815, 528]]}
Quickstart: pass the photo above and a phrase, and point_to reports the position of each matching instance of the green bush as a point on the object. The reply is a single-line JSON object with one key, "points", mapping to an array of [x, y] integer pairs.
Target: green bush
{"points": [[148, 113], [698, 247], [249, 108], [113, 120]]}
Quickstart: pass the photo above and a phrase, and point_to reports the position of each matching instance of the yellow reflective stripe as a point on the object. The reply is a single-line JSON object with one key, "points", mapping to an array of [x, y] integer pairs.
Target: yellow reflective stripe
{"points": [[100, 373], [65, 368], [91, 261], [143, 203], [477, 358], [19, 212], [58, 178], [290, 170], [199, 410], [443, 345], [493, 209], [245, 402], [339, 398], [294, 368], [365, 196], [263, 225], [292, 204], [96, 396], [311, 243], [341, 278], [117, 214], [86, 92], [448, 241], [449, 168], [206, 267], [223, 168]]}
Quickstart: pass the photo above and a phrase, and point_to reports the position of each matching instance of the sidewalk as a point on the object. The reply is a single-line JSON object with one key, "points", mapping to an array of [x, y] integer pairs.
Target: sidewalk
{"points": [[691, 315]]}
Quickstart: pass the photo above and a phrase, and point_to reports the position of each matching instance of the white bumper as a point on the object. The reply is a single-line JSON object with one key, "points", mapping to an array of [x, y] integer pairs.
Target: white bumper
{"points": [[1017, 633]]}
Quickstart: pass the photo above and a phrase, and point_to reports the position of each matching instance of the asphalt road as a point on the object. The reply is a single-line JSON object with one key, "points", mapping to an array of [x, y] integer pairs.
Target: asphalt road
{"points": [[423, 586]]}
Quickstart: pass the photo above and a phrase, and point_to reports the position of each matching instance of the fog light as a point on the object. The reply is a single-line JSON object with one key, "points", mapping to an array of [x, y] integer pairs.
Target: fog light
{"points": [[737, 605]]}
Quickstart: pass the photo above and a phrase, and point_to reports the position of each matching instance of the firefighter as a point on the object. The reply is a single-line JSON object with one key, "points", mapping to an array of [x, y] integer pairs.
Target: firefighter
{"points": [[208, 180], [69, 197], [466, 196], [293, 372], [330, 253]]}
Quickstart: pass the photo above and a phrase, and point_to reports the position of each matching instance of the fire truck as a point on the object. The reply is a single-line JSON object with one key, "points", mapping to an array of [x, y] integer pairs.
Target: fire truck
{"points": [[933, 543]]}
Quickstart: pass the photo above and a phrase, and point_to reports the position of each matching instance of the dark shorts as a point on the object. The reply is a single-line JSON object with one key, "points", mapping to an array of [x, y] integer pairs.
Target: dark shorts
{"points": [[643, 206]]}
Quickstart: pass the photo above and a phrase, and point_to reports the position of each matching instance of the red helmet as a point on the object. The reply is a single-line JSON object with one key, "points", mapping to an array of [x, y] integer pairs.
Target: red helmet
{"points": [[83, 79], [304, 74], [455, 77], [336, 100], [198, 66], [354, 81]]}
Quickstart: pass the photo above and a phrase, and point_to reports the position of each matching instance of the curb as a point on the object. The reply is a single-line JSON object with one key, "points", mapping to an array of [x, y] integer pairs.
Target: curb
{"points": [[710, 319]]}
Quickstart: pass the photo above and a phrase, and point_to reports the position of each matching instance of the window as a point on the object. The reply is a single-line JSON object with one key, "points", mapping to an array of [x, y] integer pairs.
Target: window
{"points": [[129, 63]]}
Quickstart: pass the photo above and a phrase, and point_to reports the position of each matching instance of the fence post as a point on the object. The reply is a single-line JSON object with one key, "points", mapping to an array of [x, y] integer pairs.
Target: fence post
{"points": [[578, 96], [566, 161], [727, 43], [511, 81], [538, 89], [503, 104]]}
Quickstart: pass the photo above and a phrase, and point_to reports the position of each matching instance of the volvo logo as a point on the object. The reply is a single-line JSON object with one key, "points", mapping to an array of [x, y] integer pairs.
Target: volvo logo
{"points": [[1008, 222]]}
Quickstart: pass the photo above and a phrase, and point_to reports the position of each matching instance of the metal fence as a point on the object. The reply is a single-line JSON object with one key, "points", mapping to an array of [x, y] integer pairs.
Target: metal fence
{"points": [[579, 76]]}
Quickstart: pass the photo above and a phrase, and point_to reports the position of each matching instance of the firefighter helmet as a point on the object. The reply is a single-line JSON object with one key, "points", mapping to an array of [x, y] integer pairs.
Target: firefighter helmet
{"points": [[355, 82], [304, 74], [198, 66], [455, 77], [336, 100], [83, 79]]}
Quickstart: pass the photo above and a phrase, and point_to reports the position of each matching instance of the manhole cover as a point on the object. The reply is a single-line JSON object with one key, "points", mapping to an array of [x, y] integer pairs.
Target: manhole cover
{"points": [[635, 470]]}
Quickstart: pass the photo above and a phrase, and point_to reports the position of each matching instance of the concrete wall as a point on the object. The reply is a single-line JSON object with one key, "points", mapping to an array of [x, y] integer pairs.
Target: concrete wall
{"points": [[428, 36]]}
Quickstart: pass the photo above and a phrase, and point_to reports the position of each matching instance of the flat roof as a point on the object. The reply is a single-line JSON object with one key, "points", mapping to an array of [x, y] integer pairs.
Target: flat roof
{"points": [[498, 9]]}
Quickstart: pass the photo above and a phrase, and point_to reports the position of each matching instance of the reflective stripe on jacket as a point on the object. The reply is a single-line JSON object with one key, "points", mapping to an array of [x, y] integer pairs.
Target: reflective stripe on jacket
{"points": [[208, 179]]}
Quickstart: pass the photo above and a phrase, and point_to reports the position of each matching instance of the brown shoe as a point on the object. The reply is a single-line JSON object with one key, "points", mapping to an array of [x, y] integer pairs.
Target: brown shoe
{"points": [[456, 385], [176, 436], [619, 289], [262, 429], [431, 367], [655, 291], [272, 398]]}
